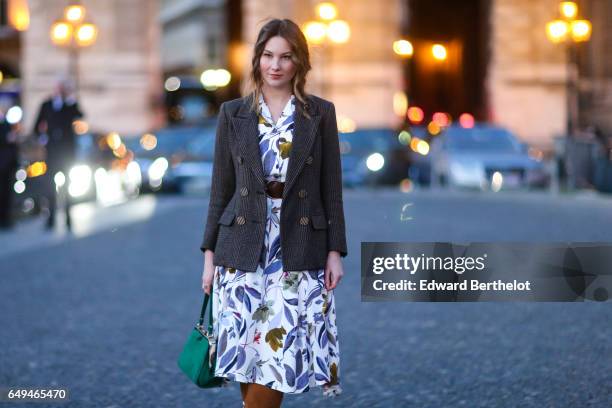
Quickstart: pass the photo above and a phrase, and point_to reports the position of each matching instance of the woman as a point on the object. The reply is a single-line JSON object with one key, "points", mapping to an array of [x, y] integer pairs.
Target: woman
{"points": [[273, 304]]}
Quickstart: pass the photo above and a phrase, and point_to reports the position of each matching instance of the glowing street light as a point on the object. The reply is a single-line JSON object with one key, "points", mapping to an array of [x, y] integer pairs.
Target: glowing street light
{"points": [[557, 31], [86, 34], [568, 9], [326, 29], [315, 32], [403, 48], [61, 33], [439, 52], [327, 11], [74, 13], [569, 30], [581, 30], [74, 32], [338, 31]]}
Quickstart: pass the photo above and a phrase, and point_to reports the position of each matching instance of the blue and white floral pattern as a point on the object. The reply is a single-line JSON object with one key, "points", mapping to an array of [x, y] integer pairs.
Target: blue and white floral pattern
{"points": [[276, 328]]}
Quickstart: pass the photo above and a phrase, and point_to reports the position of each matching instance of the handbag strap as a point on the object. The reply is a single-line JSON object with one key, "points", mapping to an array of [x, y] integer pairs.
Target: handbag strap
{"points": [[210, 313]]}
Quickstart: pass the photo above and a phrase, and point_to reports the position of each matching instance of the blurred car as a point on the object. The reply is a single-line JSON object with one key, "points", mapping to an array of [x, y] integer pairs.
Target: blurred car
{"points": [[484, 157], [96, 175], [371, 157], [177, 158]]}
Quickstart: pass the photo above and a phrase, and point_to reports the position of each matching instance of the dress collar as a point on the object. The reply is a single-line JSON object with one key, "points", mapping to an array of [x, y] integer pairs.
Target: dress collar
{"points": [[265, 110]]}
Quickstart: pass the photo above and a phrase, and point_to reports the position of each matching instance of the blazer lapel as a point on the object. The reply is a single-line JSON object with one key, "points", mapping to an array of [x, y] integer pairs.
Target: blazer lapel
{"points": [[247, 132], [303, 138]]}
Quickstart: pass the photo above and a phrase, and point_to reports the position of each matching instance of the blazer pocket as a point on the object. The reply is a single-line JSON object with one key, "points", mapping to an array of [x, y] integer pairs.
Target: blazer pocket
{"points": [[227, 218], [319, 222]]}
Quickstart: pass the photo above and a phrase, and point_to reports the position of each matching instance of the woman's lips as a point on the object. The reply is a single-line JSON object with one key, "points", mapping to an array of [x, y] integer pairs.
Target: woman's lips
{"points": [[276, 76]]}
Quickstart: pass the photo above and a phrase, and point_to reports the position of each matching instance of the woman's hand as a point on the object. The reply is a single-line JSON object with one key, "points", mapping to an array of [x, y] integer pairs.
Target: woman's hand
{"points": [[209, 271], [333, 270]]}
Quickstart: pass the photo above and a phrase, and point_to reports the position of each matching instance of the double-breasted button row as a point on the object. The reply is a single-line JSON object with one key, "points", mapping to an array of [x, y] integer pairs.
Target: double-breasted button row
{"points": [[309, 160], [304, 220], [302, 193], [244, 191], [240, 220]]}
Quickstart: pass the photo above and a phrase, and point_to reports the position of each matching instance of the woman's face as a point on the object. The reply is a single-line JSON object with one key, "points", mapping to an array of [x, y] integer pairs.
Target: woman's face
{"points": [[277, 67]]}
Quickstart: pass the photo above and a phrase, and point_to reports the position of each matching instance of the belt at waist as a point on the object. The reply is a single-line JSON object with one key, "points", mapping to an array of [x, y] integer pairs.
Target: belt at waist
{"points": [[275, 189]]}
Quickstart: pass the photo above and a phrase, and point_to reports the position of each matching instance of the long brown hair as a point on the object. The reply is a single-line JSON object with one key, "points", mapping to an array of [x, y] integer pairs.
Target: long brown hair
{"points": [[300, 55]]}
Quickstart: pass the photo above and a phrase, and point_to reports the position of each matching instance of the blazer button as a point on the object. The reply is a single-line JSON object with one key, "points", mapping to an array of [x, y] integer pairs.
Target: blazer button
{"points": [[309, 160], [244, 191], [304, 220], [302, 193], [240, 159], [240, 220]]}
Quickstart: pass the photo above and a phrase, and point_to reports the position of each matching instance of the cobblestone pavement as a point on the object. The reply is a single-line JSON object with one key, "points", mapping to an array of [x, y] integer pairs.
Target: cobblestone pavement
{"points": [[106, 314]]}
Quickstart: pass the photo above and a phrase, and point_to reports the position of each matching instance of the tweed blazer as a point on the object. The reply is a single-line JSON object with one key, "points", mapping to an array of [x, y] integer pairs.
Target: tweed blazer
{"points": [[312, 212]]}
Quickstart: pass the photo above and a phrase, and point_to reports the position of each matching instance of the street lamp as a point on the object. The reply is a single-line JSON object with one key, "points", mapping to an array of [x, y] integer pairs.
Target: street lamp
{"points": [[74, 32], [569, 30], [326, 30], [439, 52]]}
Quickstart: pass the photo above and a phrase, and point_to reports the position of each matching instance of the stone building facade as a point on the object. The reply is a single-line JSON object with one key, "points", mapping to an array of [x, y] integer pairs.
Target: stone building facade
{"points": [[360, 76], [119, 75]]}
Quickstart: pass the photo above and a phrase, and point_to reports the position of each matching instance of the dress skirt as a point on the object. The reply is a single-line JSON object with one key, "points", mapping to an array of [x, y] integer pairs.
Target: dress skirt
{"points": [[276, 328]]}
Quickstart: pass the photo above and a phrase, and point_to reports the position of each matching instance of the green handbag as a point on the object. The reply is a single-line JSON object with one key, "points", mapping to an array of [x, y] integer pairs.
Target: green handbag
{"points": [[197, 360]]}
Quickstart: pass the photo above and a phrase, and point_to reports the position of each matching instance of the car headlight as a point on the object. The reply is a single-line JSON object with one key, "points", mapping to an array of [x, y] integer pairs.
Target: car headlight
{"points": [[375, 162], [158, 168], [80, 177], [133, 173]]}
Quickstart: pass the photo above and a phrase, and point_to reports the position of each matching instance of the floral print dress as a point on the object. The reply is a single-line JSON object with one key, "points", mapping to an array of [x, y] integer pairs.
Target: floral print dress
{"points": [[276, 328]]}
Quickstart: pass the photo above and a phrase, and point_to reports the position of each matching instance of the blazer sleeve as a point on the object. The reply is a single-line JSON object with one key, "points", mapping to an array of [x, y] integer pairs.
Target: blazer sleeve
{"points": [[223, 181], [331, 183]]}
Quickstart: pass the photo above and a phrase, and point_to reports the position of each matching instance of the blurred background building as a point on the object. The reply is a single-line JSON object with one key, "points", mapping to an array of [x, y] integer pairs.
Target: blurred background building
{"points": [[151, 75], [118, 74], [494, 60]]}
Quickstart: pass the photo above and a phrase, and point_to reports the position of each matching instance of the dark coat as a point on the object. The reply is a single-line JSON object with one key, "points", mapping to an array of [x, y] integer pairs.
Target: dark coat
{"points": [[61, 146], [312, 213], [9, 151]]}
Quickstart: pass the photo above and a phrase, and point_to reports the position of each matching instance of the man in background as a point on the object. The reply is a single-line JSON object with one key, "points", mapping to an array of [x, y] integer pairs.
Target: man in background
{"points": [[55, 120]]}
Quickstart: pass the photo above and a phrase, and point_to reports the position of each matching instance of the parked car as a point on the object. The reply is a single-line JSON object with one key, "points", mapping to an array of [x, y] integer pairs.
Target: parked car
{"points": [[372, 156], [179, 159], [484, 157]]}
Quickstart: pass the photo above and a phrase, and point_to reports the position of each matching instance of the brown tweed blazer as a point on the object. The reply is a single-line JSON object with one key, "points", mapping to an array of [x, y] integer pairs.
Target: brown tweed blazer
{"points": [[312, 213]]}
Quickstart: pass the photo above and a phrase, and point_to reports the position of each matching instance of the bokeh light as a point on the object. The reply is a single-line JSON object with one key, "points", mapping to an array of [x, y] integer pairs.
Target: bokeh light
{"points": [[403, 48], [466, 121], [439, 52], [339, 31], [327, 11], [415, 114]]}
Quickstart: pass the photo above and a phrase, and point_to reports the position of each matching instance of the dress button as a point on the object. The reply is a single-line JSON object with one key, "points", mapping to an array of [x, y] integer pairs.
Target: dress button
{"points": [[304, 220], [302, 193], [309, 160], [240, 159], [244, 191], [240, 220]]}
